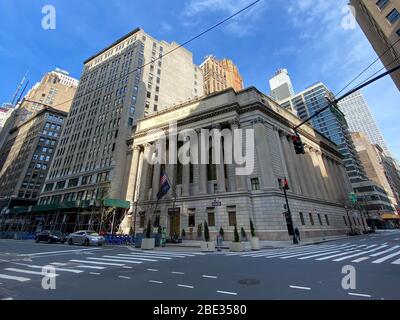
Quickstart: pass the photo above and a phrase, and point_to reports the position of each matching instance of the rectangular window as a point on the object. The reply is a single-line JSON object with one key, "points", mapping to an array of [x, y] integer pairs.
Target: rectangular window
{"points": [[211, 218], [255, 184], [327, 220], [60, 185], [49, 187], [303, 222], [232, 218], [311, 219], [319, 219], [86, 180], [192, 218], [381, 4], [393, 16], [73, 183]]}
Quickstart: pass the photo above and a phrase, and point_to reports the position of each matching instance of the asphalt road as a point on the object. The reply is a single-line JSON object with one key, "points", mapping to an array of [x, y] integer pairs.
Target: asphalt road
{"points": [[308, 272]]}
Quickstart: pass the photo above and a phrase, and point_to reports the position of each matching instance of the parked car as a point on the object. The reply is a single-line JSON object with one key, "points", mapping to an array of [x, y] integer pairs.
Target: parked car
{"points": [[86, 238], [50, 236]]}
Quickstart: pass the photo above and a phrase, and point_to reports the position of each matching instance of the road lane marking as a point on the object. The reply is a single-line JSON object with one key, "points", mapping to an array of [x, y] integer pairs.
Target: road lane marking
{"points": [[175, 272], [185, 286], [300, 288], [123, 277], [7, 277], [152, 270], [317, 255], [336, 255], [100, 263], [59, 264], [50, 275], [307, 253], [95, 273], [386, 257], [227, 292], [154, 281], [396, 262], [126, 267], [7, 299], [115, 260], [360, 295], [209, 277], [53, 252]]}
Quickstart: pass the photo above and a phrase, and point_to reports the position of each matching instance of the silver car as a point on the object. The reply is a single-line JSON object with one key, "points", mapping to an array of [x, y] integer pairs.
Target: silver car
{"points": [[86, 238]]}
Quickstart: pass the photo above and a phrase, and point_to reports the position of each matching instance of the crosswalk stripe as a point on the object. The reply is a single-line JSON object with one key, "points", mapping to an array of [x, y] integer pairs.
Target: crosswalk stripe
{"points": [[286, 251], [317, 255], [58, 264], [396, 262], [59, 269], [307, 253], [115, 260], [91, 267], [383, 252], [360, 254], [131, 258], [298, 252], [386, 257], [100, 263], [8, 277], [144, 256], [31, 272], [360, 259], [311, 250], [337, 255]]}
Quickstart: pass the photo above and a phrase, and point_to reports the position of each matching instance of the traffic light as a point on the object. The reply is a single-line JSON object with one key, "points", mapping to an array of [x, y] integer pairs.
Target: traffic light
{"points": [[298, 144], [284, 184], [352, 197]]}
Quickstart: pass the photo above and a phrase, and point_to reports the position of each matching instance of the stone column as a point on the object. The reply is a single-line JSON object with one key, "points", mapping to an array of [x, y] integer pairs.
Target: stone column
{"points": [[299, 170], [231, 168], [335, 181], [240, 180], [202, 168], [156, 180], [290, 165], [263, 152], [315, 183], [220, 166], [305, 175], [324, 176], [144, 186], [132, 183], [186, 180], [331, 186]]}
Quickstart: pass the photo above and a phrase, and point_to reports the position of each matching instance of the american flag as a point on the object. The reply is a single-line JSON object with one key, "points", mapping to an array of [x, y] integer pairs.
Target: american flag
{"points": [[164, 185]]}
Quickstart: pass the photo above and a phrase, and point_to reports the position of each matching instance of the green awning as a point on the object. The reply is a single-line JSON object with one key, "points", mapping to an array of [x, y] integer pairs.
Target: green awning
{"points": [[116, 203]]}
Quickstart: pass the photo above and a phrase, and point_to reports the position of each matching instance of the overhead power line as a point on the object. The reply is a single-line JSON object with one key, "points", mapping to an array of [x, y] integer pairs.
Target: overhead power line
{"points": [[171, 51]]}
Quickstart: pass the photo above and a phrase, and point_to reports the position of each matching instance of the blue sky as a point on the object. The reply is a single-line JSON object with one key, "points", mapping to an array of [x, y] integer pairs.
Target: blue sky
{"points": [[304, 36]]}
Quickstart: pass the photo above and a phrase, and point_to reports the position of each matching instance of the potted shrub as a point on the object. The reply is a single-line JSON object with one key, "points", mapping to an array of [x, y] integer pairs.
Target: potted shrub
{"points": [[207, 245], [243, 234], [200, 232], [222, 233], [255, 242], [236, 246], [148, 243]]}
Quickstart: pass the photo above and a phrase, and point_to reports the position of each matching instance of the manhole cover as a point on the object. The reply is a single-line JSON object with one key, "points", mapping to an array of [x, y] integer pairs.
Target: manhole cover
{"points": [[249, 282]]}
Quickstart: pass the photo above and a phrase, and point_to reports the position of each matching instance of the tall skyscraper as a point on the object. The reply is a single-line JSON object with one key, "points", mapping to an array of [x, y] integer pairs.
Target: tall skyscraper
{"points": [[26, 156], [5, 112], [220, 74], [312, 100], [360, 119], [281, 85], [128, 80], [380, 21]]}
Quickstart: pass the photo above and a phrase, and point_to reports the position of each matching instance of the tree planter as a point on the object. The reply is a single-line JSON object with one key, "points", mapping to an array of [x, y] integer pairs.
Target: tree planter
{"points": [[148, 244], [255, 244], [236, 247], [207, 246]]}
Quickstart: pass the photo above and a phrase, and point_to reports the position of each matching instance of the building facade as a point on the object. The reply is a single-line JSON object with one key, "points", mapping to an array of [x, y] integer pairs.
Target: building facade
{"points": [[56, 89], [329, 124], [373, 160], [26, 156], [360, 119], [318, 180], [380, 21], [5, 112], [126, 81], [220, 74], [281, 85]]}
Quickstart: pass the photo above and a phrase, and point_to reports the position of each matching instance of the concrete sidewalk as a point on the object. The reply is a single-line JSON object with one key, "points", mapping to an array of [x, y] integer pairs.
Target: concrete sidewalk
{"points": [[263, 244]]}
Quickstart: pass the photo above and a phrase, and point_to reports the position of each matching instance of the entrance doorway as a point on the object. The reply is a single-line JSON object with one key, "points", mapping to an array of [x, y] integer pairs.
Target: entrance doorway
{"points": [[174, 221]]}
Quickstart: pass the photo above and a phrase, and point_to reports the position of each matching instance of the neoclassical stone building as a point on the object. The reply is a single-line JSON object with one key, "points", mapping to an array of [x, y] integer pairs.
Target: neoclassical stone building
{"points": [[319, 184]]}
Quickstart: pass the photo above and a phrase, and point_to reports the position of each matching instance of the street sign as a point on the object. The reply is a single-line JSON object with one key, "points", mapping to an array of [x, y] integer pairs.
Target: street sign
{"points": [[216, 203]]}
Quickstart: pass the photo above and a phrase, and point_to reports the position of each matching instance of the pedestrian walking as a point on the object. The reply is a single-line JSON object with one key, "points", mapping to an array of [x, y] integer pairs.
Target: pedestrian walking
{"points": [[297, 233]]}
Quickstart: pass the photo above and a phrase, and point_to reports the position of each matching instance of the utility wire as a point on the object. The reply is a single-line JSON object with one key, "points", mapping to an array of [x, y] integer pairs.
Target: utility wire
{"points": [[171, 51], [368, 67]]}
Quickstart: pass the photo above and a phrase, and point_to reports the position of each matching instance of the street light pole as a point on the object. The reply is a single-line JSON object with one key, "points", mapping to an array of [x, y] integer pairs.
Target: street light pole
{"points": [[295, 240]]}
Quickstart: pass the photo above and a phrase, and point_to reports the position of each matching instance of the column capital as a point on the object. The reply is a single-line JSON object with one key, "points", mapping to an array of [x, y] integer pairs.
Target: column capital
{"points": [[216, 126], [234, 123], [137, 148], [258, 120]]}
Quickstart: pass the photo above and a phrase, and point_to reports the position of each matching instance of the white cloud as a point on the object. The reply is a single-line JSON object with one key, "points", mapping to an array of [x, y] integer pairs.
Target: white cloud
{"points": [[241, 25]]}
